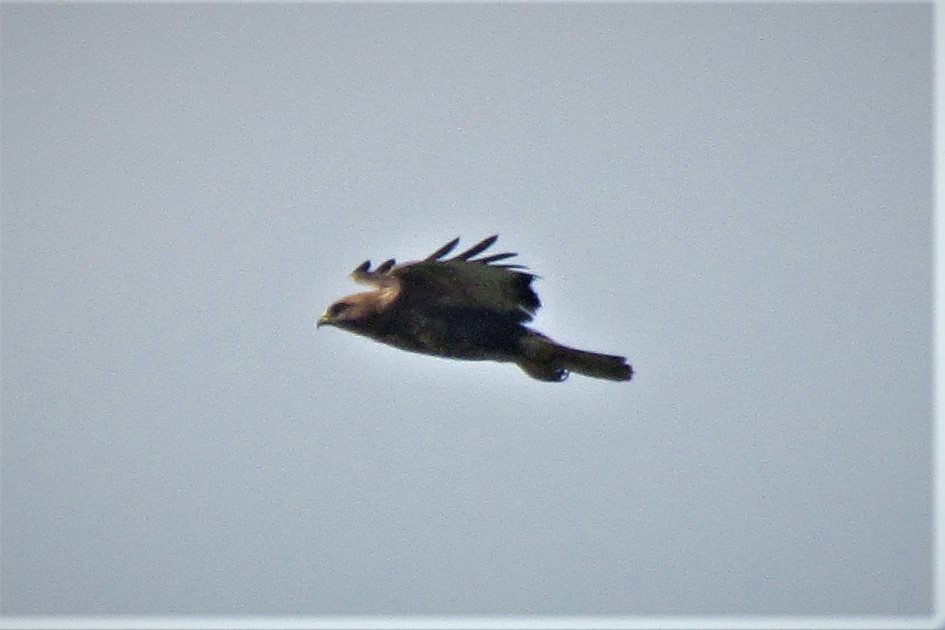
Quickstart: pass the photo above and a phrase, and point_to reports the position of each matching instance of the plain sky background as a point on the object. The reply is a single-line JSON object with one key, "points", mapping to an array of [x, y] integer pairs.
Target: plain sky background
{"points": [[737, 197]]}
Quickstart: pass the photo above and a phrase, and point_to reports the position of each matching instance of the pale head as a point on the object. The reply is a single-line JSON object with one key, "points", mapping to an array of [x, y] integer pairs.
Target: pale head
{"points": [[350, 311]]}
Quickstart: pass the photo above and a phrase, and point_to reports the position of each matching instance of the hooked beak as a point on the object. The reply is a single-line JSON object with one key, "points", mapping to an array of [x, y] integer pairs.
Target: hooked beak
{"points": [[323, 321]]}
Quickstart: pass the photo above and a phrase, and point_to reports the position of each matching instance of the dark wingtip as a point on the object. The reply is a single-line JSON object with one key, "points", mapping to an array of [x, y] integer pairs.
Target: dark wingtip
{"points": [[363, 267], [514, 267], [385, 266], [478, 248], [443, 251], [496, 258]]}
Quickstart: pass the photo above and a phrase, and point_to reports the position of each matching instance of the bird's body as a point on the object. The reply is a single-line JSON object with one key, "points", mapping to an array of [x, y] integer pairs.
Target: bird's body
{"points": [[463, 308], [471, 334]]}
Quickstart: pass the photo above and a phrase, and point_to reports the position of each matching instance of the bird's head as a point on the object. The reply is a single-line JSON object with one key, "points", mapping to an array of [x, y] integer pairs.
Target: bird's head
{"points": [[350, 313]]}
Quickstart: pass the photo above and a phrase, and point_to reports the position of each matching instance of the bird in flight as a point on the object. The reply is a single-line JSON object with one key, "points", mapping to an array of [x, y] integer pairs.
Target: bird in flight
{"points": [[463, 308]]}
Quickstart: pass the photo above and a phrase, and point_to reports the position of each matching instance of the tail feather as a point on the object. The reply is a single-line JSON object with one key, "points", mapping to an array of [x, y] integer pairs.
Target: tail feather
{"points": [[545, 360], [608, 366]]}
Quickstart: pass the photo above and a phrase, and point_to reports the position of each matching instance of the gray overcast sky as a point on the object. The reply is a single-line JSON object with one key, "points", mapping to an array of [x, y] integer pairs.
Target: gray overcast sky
{"points": [[737, 197]]}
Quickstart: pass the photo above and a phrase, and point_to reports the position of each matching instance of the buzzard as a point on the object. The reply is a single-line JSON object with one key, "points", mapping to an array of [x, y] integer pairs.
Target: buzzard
{"points": [[463, 308]]}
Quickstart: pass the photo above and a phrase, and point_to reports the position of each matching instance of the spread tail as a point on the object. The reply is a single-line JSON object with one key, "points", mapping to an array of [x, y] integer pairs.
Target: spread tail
{"points": [[545, 360]]}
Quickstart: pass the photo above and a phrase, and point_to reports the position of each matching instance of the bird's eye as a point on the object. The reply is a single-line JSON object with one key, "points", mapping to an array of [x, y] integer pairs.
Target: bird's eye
{"points": [[337, 308]]}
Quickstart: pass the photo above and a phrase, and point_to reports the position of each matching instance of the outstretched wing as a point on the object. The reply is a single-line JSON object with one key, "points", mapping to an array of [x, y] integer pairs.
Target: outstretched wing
{"points": [[463, 281]]}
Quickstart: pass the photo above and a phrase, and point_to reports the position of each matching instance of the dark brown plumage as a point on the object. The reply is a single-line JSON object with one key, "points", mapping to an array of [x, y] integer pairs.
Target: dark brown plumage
{"points": [[463, 308]]}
